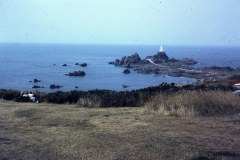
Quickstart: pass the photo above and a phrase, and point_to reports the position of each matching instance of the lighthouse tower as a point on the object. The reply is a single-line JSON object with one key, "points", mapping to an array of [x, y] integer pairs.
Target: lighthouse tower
{"points": [[161, 49]]}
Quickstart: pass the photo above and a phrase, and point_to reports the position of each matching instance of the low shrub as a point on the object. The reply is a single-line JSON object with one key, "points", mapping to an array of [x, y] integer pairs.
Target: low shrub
{"points": [[57, 97], [9, 94]]}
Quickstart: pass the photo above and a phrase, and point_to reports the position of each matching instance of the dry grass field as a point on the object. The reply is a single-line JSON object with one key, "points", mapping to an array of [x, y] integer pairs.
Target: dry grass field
{"points": [[48, 131], [195, 103]]}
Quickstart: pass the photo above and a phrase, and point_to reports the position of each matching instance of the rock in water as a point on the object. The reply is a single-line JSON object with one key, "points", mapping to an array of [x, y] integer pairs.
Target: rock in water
{"points": [[83, 65], [35, 86], [133, 59], [126, 61], [125, 86], [160, 57], [36, 80], [77, 73], [54, 86], [126, 71]]}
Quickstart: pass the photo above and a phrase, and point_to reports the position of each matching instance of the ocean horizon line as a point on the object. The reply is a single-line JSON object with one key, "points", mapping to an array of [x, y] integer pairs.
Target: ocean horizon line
{"points": [[116, 44]]}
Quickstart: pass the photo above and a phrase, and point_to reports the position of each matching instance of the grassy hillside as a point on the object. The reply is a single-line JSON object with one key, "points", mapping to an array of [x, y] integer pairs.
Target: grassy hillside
{"points": [[49, 131]]}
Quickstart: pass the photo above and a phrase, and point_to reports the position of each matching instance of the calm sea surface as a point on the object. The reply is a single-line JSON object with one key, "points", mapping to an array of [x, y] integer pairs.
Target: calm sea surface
{"points": [[21, 63]]}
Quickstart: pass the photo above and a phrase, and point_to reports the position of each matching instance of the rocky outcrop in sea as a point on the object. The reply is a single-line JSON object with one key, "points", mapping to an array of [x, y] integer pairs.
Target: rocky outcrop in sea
{"points": [[77, 74], [83, 65], [126, 71], [55, 86], [126, 61], [35, 80], [162, 64], [159, 58], [36, 86]]}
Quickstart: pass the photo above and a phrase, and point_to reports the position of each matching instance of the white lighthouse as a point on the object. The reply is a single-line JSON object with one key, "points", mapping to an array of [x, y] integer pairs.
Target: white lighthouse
{"points": [[161, 49]]}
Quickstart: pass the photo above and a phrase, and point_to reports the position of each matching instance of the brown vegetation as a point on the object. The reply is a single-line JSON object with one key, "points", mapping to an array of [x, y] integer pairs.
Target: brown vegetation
{"points": [[195, 103], [50, 131]]}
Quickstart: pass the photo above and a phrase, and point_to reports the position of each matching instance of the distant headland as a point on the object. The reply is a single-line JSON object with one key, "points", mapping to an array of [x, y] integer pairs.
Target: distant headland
{"points": [[161, 64]]}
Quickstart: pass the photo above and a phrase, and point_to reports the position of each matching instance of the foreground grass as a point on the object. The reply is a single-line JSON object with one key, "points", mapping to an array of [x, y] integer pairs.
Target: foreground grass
{"points": [[47, 131]]}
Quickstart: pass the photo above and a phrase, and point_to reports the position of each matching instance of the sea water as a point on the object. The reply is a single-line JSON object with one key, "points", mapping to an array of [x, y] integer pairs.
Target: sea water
{"points": [[21, 63]]}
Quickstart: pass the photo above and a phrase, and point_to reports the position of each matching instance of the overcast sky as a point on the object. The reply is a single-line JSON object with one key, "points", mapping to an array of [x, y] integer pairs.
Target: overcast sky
{"points": [[182, 22]]}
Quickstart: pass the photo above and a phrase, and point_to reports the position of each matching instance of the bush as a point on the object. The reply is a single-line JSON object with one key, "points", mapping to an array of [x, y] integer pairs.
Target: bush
{"points": [[9, 94], [74, 96], [195, 103], [57, 97]]}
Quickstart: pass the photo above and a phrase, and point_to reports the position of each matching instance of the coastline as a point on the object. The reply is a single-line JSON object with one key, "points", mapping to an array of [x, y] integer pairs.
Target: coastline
{"points": [[133, 98], [23, 62]]}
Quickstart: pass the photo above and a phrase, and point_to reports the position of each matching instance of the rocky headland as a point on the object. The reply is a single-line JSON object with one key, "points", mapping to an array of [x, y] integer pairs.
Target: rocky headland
{"points": [[161, 64]]}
